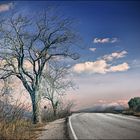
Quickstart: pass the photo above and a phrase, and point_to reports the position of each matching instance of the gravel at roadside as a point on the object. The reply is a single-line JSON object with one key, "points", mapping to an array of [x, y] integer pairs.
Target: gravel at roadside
{"points": [[54, 130]]}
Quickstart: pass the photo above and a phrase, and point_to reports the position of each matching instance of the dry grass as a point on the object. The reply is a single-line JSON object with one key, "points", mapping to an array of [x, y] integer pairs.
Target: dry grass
{"points": [[20, 129], [137, 114], [131, 112], [15, 130], [14, 124]]}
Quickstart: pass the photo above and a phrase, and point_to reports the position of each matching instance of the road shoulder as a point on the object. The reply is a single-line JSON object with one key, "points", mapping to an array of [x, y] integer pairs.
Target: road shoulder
{"points": [[54, 130]]}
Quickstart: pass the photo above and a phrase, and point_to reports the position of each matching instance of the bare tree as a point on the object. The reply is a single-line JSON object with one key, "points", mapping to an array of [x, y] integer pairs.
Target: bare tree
{"points": [[55, 83], [6, 88], [27, 44]]}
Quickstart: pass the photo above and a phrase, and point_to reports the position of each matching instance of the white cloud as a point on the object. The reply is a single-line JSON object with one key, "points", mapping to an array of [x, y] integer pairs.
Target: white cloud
{"points": [[102, 66], [120, 102], [5, 7], [99, 66], [115, 55], [114, 40], [105, 40], [121, 67], [98, 40], [92, 49], [102, 101]]}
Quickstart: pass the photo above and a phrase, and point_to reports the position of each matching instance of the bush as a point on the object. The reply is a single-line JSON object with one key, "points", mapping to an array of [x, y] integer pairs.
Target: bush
{"points": [[134, 103], [13, 123], [138, 108], [63, 111], [128, 112]]}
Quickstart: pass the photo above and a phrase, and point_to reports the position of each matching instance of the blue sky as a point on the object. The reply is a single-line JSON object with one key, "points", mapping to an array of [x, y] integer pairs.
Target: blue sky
{"points": [[111, 39], [99, 19]]}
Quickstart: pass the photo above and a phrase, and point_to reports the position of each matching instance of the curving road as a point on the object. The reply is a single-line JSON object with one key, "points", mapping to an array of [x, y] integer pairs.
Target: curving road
{"points": [[105, 126]]}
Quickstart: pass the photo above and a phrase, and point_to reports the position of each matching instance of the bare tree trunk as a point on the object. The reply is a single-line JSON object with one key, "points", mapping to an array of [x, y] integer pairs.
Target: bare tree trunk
{"points": [[54, 108], [54, 111], [36, 116]]}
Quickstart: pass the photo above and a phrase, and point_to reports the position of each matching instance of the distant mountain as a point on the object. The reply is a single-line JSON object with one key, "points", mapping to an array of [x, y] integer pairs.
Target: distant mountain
{"points": [[104, 108]]}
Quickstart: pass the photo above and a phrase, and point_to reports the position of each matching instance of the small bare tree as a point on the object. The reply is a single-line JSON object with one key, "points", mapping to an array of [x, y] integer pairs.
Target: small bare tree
{"points": [[55, 83], [27, 44], [6, 88]]}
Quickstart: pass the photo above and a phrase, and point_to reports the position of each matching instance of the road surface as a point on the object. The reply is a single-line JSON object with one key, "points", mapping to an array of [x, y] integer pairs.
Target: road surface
{"points": [[104, 126]]}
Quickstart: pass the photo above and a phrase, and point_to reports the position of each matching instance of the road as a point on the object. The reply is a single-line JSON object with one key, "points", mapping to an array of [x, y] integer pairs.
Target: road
{"points": [[105, 126]]}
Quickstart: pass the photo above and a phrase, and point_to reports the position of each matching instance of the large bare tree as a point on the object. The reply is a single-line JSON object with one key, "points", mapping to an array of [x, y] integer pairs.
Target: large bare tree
{"points": [[27, 44]]}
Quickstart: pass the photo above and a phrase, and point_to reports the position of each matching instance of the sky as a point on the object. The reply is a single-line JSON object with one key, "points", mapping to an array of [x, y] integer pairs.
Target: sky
{"points": [[108, 70]]}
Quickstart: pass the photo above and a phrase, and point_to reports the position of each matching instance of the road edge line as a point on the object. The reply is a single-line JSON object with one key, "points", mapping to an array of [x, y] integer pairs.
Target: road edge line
{"points": [[72, 130]]}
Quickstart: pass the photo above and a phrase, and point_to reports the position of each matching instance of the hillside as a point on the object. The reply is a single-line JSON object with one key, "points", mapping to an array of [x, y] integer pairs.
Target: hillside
{"points": [[104, 108]]}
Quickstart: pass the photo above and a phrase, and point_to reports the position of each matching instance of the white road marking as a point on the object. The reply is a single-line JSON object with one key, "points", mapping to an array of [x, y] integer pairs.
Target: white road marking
{"points": [[73, 133]]}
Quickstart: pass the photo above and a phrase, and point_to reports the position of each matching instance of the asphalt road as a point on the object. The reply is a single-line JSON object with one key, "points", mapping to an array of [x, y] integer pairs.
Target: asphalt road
{"points": [[105, 126]]}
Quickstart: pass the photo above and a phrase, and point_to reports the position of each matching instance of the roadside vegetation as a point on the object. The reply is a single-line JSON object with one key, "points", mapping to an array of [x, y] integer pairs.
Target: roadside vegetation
{"points": [[63, 111], [134, 107], [16, 118], [13, 121]]}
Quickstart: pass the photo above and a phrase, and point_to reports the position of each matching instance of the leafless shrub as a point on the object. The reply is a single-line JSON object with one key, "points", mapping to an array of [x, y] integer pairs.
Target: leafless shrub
{"points": [[64, 110], [13, 120]]}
